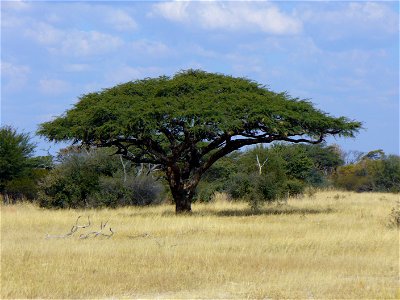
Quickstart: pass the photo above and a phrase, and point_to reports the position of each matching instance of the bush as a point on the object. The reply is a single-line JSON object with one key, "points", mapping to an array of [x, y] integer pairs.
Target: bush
{"points": [[27, 186], [269, 187], [388, 180], [206, 190], [379, 175], [239, 186], [68, 185], [295, 187], [110, 193], [144, 190], [93, 180]]}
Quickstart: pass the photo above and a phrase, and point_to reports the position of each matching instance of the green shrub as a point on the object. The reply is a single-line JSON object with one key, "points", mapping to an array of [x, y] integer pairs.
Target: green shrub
{"points": [[295, 187], [110, 193], [381, 174], [206, 190], [93, 180], [239, 186], [68, 185]]}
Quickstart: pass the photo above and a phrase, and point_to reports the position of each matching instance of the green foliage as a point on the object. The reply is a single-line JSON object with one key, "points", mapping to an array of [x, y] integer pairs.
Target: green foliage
{"points": [[19, 171], [374, 172], [95, 179], [295, 187], [187, 122], [388, 179], [15, 151], [287, 171], [205, 104], [240, 186], [27, 186], [69, 184]]}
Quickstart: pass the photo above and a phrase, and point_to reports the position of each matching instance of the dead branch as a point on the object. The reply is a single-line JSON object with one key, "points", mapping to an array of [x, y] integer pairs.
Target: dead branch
{"points": [[75, 228], [260, 166], [98, 233]]}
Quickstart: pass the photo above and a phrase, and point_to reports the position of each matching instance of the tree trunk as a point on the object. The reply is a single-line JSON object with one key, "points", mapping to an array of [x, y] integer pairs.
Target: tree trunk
{"points": [[183, 199], [182, 188]]}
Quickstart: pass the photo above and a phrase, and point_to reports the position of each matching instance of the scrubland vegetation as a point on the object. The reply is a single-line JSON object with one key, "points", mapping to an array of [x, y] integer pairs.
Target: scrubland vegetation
{"points": [[97, 220], [327, 245]]}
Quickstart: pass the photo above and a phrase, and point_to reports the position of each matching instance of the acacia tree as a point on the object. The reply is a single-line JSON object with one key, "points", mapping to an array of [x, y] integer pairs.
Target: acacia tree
{"points": [[187, 122]]}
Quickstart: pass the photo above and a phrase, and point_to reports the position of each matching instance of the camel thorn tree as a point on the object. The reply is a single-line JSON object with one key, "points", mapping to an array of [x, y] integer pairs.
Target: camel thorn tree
{"points": [[186, 122]]}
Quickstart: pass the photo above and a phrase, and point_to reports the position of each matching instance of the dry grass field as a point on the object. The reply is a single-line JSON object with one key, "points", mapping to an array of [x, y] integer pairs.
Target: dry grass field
{"points": [[332, 245]]}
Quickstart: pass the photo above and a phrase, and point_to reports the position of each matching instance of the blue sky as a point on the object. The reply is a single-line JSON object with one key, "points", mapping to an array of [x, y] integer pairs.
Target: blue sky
{"points": [[343, 56]]}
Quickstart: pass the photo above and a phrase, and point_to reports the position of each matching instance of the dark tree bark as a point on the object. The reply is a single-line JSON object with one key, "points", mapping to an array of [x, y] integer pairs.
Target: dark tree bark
{"points": [[183, 200], [183, 187]]}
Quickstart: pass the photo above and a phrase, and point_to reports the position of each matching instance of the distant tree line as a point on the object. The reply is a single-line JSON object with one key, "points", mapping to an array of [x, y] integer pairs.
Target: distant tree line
{"points": [[372, 172], [79, 177]]}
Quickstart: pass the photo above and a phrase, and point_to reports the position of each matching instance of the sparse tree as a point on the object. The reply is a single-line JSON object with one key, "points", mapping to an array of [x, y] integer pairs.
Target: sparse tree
{"points": [[187, 122]]}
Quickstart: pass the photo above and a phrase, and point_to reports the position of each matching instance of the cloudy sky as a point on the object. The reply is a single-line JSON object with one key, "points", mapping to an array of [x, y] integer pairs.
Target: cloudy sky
{"points": [[343, 56]]}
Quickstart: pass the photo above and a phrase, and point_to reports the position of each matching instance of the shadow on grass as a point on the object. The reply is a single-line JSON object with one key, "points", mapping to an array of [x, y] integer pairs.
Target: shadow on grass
{"points": [[286, 210], [235, 212]]}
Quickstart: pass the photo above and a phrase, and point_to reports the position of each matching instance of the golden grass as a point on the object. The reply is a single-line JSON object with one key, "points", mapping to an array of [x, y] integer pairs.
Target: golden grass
{"points": [[334, 245]]}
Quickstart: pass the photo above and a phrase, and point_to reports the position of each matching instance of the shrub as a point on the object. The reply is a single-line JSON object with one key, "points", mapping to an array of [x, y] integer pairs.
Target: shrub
{"points": [[93, 180], [380, 174], [68, 185], [110, 193], [269, 187], [206, 190], [295, 187], [144, 190], [239, 186]]}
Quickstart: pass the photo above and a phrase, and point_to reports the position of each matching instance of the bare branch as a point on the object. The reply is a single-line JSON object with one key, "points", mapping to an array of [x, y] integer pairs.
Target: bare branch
{"points": [[75, 228], [71, 232], [260, 166], [123, 166], [98, 233]]}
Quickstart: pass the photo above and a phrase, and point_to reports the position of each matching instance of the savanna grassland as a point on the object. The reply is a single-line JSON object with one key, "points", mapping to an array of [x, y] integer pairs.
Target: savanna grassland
{"points": [[330, 245]]}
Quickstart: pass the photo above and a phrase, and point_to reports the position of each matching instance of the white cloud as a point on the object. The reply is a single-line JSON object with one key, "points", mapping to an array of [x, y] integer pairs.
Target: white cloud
{"points": [[264, 17], [369, 10], [76, 67], [202, 52], [53, 86], [150, 47], [120, 20], [348, 19], [13, 76], [16, 5], [44, 33], [73, 42], [10, 22], [174, 11], [83, 43], [53, 18], [126, 73], [12, 70]]}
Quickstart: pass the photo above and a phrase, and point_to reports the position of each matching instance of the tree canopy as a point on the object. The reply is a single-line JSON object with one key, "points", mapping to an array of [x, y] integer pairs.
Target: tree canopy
{"points": [[188, 121], [15, 151]]}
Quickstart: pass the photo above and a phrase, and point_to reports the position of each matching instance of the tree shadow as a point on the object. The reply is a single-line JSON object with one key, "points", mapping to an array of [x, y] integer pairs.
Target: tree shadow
{"points": [[286, 210]]}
